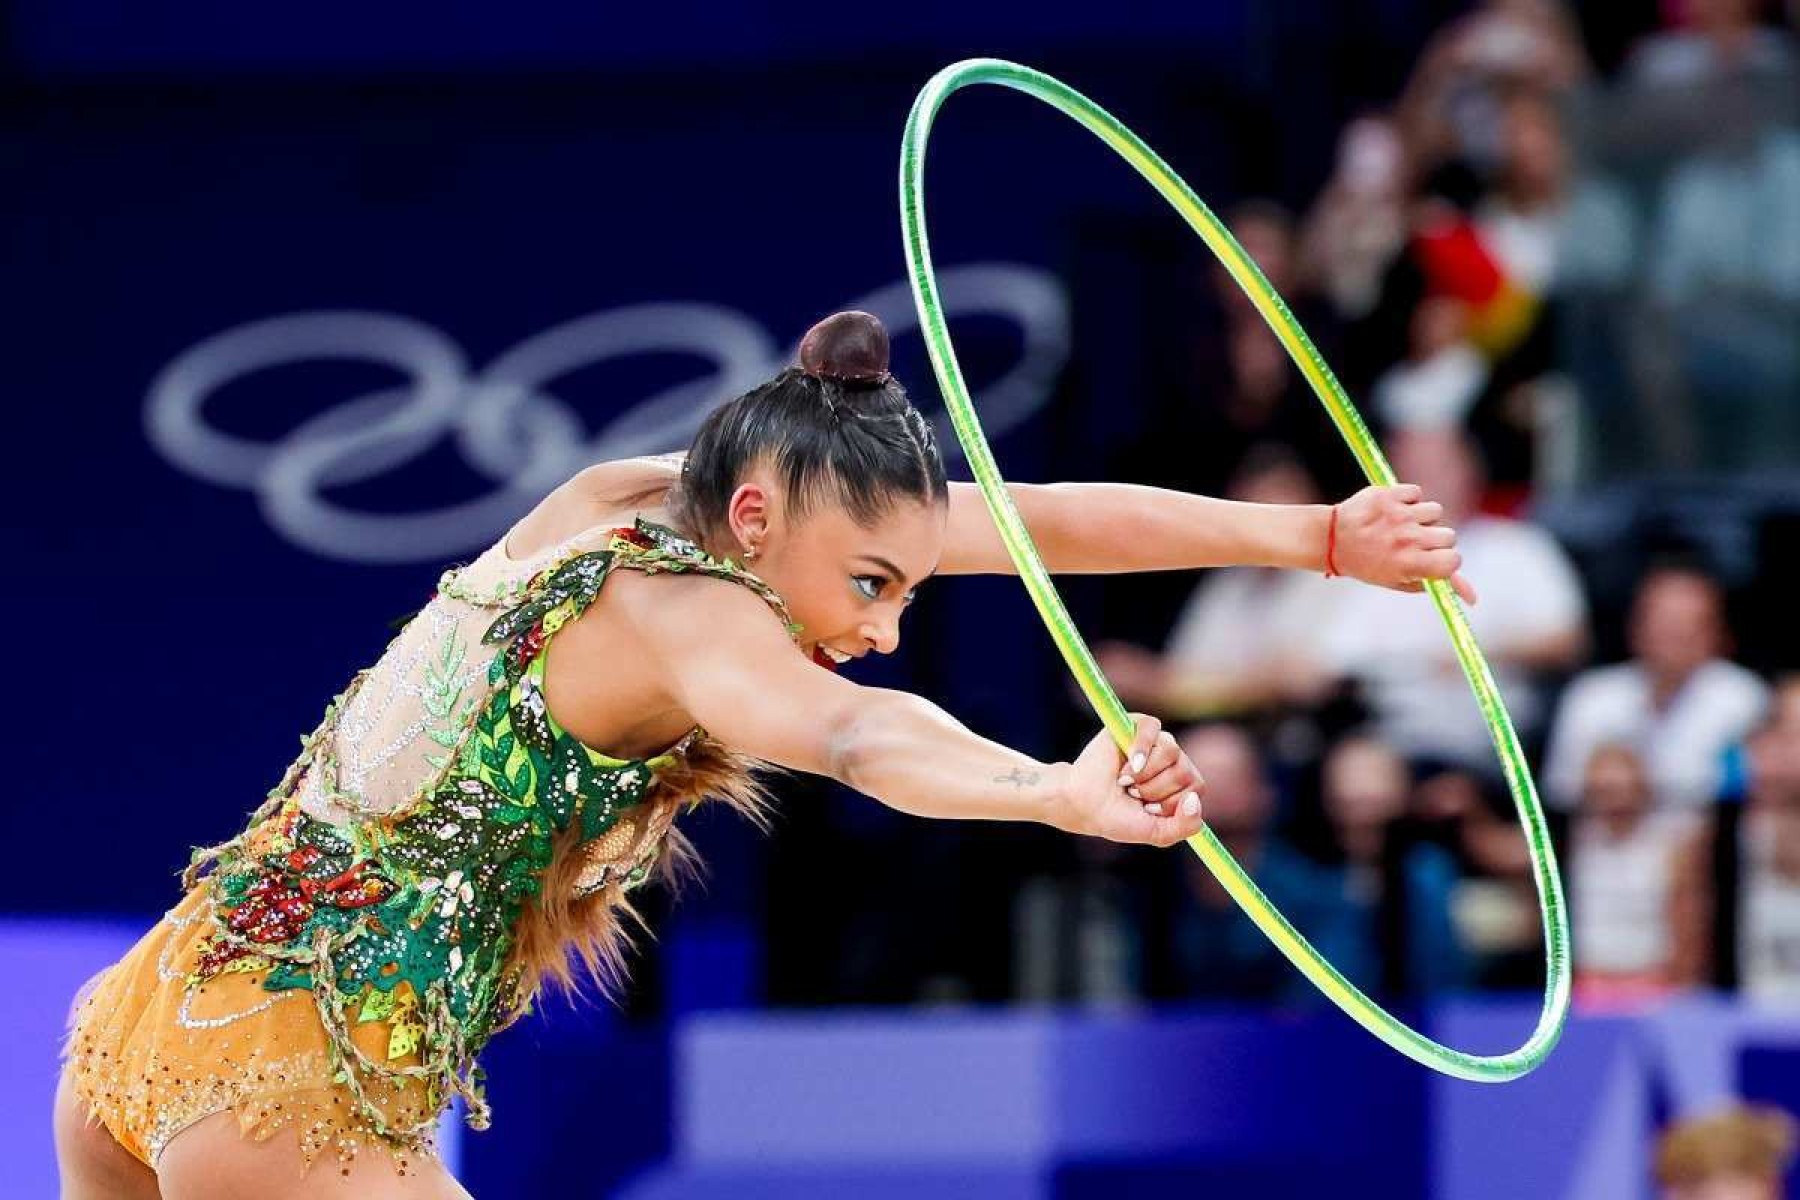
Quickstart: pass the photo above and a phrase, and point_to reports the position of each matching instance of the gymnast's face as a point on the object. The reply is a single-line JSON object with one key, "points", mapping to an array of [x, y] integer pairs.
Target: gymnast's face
{"points": [[846, 585]]}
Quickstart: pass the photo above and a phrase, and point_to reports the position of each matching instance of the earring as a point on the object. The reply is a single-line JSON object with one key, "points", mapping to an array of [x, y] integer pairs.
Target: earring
{"points": [[749, 553]]}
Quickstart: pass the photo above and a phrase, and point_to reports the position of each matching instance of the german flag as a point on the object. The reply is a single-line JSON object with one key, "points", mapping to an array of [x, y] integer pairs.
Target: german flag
{"points": [[1455, 263]]}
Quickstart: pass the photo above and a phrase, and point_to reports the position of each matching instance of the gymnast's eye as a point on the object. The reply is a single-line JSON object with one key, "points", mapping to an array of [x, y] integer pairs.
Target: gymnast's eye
{"points": [[874, 582]]}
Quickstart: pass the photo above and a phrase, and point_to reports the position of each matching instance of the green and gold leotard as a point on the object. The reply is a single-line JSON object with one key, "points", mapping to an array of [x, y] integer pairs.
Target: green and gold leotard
{"points": [[395, 878]]}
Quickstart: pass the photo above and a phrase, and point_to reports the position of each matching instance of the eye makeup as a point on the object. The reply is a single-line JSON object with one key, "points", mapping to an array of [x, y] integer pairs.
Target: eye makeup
{"points": [[880, 582]]}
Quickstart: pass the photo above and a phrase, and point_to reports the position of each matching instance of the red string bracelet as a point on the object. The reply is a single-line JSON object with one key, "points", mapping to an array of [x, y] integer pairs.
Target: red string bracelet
{"points": [[1331, 545]]}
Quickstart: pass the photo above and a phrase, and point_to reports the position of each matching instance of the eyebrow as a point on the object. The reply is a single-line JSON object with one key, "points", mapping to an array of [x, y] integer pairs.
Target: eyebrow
{"points": [[891, 569]]}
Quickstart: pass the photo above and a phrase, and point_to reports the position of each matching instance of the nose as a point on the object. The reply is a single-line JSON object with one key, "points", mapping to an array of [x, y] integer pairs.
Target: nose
{"points": [[883, 636]]}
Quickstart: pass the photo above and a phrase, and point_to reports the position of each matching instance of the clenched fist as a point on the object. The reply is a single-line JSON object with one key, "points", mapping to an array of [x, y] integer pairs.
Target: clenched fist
{"points": [[1151, 796]]}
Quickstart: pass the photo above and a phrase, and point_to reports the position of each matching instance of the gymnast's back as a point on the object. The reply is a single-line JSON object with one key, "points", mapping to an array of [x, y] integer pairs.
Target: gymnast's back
{"points": [[440, 848], [444, 844], [399, 717]]}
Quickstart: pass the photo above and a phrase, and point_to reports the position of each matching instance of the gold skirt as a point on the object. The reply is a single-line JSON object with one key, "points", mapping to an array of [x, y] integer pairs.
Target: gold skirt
{"points": [[149, 1054]]}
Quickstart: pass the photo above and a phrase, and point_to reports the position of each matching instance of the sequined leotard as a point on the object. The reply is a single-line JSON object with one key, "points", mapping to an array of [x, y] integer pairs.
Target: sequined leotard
{"points": [[357, 944]]}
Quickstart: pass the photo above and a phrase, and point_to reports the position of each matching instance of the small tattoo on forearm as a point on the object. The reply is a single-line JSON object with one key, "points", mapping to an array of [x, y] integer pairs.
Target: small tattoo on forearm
{"points": [[1018, 777]]}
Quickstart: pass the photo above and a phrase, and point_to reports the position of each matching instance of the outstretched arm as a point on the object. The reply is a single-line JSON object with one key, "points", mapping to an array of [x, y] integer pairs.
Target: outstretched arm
{"points": [[746, 684], [1389, 536]]}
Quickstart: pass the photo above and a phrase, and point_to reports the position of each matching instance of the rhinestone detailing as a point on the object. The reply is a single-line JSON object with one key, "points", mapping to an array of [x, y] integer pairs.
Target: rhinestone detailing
{"points": [[394, 899]]}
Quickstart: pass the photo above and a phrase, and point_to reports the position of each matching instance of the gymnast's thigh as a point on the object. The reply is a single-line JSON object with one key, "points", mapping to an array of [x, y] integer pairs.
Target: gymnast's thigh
{"points": [[211, 1160]]}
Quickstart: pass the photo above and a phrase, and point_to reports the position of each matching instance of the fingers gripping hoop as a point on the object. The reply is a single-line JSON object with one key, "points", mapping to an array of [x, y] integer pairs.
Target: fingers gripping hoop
{"points": [[1415, 1045]]}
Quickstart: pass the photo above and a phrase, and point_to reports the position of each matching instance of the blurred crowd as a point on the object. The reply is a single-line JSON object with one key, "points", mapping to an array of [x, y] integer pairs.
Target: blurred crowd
{"points": [[1531, 273], [1536, 269]]}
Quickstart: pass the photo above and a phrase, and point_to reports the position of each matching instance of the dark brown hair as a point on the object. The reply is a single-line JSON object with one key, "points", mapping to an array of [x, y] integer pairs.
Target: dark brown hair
{"points": [[836, 427]]}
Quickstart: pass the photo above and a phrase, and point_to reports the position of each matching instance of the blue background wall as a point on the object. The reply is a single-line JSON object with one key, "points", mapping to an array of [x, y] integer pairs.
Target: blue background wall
{"points": [[172, 175], [176, 175]]}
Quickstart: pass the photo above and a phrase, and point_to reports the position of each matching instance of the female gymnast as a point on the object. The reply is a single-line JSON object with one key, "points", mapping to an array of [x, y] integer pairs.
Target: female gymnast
{"points": [[450, 840]]}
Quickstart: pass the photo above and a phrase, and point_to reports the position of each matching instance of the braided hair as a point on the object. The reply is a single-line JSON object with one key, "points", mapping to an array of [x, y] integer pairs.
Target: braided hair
{"points": [[837, 427]]}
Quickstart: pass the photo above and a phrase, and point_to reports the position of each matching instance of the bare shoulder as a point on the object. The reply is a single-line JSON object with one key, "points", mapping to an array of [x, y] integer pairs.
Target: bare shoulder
{"points": [[628, 667], [721, 654], [603, 493], [671, 609], [623, 478]]}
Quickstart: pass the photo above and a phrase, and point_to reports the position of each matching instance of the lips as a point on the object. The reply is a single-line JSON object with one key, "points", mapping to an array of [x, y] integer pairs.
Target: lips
{"points": [[828, 658]]}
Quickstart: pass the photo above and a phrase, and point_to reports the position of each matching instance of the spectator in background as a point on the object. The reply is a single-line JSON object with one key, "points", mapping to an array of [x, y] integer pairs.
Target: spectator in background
{"points": [[1468, 312], [1355, 235], [1077, 934], [1636, 891], [1768, 945], [1714, 72], [1436, 385], [1725, 286], [1709, 39], [1440, 259], [1521, 218], [1495, 905], [1729, 228], [1547, 224], [1784, 703], [1454, 258], [1678, 701], [1739, 1153], [1358, 224], [1265, 229], [1755, 862], [1398, 888], [1554, 233], [1531, 619], [1248, 639], [1531, 623], [1451, 105], [1252, 392], [1214, 952], [1700, 357], [1465, 333]]}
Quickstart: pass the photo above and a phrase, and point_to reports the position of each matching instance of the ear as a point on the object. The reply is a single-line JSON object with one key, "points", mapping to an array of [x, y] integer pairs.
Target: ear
{"points": [[748, 514]]}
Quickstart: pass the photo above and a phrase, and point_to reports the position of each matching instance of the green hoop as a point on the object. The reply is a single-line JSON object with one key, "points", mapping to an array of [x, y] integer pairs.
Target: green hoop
{"points": [[1415, 1045]]}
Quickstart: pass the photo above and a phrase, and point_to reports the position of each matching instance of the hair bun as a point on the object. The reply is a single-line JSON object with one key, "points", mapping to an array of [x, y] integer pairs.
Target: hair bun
{"points": [[847, 347]]}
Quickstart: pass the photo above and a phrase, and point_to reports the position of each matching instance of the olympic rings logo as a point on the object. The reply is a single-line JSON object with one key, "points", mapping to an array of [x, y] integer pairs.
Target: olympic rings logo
{"points": [[506, 422]]}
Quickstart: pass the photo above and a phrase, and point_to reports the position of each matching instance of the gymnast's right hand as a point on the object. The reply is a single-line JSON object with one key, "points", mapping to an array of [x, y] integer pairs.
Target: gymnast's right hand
{"points": [[747, 685], [1098, 796]]}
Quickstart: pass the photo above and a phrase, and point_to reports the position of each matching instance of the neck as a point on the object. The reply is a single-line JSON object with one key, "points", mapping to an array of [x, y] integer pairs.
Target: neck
{"points": [[675, 510], [1619, 826], [1665, 684], [719, 549]]}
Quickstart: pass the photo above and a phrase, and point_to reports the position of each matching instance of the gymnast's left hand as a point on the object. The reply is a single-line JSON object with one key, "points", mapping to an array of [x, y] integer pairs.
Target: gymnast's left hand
{"points": [[1394, 537]]}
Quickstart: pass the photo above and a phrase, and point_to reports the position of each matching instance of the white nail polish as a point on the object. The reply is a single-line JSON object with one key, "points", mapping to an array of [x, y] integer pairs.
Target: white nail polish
{"points": [[1152, 809], [1137, 763], [1191, 805], [1135, 794]]}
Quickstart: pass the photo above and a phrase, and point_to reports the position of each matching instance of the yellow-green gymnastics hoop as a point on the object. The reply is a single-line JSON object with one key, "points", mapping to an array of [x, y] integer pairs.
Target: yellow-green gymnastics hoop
{"points": [[1415, 1045]]}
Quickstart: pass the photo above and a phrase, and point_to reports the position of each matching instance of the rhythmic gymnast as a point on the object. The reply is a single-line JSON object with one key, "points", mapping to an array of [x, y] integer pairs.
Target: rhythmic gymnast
{"points": [[450, 841]]}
